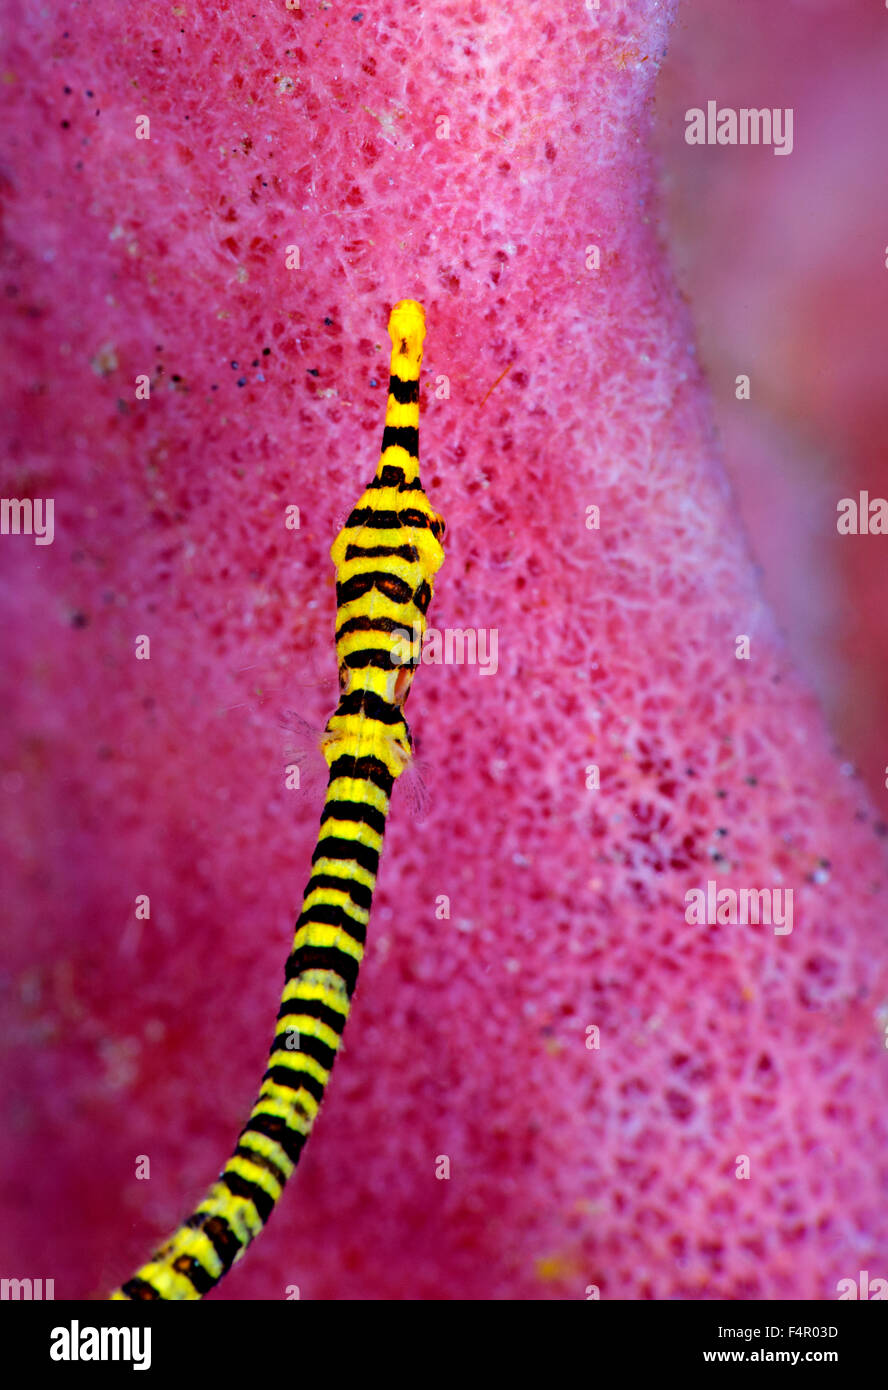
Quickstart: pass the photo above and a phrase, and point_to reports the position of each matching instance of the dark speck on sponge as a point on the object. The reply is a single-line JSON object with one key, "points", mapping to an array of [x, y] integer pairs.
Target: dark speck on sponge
{"points": [[242, 381], [313, 371], [266, 352], [234, 366]]}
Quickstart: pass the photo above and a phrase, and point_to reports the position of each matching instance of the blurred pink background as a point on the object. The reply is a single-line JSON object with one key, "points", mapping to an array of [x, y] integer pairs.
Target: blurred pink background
{"points": [[782, 260]]}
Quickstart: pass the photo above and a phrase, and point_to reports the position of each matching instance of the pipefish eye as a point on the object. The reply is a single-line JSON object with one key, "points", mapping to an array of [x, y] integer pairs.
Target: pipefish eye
{"points": [[384, 579]]}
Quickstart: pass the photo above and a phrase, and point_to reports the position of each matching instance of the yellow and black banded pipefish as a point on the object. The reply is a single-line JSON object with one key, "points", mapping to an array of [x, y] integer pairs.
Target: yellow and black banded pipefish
{"points": [[386, 558]]}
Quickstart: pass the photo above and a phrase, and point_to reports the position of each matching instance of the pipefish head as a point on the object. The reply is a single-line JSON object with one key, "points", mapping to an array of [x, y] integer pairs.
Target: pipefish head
{"points": [[407, 330]]}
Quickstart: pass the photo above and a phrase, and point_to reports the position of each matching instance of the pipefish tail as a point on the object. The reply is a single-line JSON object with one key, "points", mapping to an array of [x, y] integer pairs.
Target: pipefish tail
{"points": [[386, 557]]}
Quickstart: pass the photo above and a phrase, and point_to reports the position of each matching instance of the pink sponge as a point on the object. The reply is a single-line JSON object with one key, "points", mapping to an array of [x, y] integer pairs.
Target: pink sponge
{"points": [[727, 1136]]}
